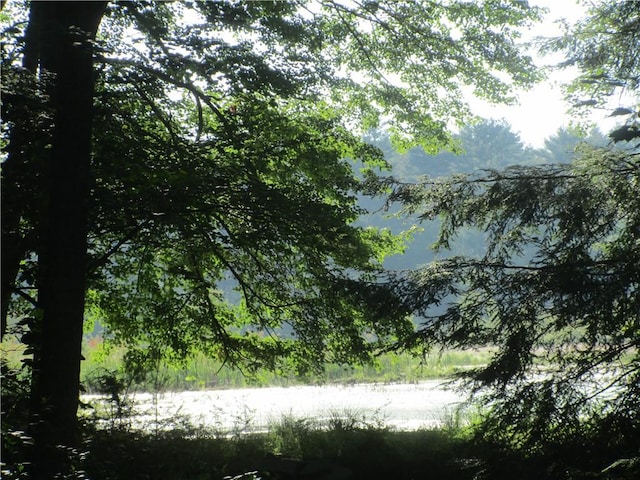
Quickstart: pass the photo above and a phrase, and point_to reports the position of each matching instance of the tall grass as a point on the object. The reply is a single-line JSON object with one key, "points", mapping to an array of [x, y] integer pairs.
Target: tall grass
{"points": [[200, 372]]}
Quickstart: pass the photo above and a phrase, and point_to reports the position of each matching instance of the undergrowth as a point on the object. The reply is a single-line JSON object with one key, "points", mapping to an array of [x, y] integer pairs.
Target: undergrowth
{"points": [[349, 449]]}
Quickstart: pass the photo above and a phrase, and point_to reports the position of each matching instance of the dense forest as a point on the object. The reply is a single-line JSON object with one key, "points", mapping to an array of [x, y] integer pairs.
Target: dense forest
{"points": [[287, 185]]}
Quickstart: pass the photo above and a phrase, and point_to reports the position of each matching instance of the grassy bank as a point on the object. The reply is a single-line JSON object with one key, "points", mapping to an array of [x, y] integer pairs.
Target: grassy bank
{"points": [[291, 450], [201, 372], [347, 448], [344, 449]]}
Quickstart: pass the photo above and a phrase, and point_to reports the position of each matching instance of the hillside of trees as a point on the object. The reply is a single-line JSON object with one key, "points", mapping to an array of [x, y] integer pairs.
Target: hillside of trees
{"points": [[482, 147]]}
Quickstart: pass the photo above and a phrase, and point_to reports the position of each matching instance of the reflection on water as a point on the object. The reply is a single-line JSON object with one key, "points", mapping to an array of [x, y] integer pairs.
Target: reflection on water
{"points": [[401, 406]]}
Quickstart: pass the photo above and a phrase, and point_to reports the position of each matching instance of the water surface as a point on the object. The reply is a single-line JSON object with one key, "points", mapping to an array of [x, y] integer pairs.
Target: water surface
{"points": [[400, 406]]}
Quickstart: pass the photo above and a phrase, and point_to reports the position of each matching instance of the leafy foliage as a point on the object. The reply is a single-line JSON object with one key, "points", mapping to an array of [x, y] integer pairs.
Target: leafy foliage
{"points": [[283, 256], [602, 47], [556, 290], [224, 153]]}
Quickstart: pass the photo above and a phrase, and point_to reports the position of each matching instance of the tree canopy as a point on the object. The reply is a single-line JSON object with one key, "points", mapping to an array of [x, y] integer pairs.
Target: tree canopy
{"points": [[221, 145], [555, 289], [156, 150], [601, 47]]}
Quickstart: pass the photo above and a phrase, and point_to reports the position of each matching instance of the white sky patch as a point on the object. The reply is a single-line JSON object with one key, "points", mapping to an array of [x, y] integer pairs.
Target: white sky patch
{"points": [[541, 111]]}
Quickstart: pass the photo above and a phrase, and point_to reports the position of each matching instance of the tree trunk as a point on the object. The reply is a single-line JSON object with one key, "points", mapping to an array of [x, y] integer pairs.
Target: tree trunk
{"points": [[68, 31]]}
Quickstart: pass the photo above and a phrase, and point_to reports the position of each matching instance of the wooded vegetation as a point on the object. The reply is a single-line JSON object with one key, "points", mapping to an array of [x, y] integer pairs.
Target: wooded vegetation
{"points": [[193, 177], [556, 287]]}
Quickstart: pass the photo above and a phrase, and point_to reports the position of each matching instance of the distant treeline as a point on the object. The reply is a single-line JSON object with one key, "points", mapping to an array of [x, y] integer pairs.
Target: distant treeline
{"points": [[489, 145]]}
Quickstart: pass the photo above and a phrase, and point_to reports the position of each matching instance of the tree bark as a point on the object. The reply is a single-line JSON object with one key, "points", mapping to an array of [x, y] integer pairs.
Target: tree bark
{"points": [[66, 51]]}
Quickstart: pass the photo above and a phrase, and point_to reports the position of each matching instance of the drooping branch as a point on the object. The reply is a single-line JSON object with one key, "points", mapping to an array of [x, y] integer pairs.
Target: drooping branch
{"points": [[164, 76]]}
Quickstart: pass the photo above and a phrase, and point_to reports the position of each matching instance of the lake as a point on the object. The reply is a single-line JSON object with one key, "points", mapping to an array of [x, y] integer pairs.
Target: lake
{"points": [[400, 406]]}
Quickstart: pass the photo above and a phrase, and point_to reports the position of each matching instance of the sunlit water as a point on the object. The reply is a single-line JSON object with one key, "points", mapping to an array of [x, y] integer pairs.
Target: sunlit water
{"points": [[400, 406]]}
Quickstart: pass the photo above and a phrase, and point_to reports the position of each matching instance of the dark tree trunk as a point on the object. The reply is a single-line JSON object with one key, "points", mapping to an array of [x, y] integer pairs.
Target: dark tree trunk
{"points": [[66, 51]]}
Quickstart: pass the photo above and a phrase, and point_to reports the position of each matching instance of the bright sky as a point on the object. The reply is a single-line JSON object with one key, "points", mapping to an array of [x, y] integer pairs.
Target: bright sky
{"points": [[542, 110]]}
